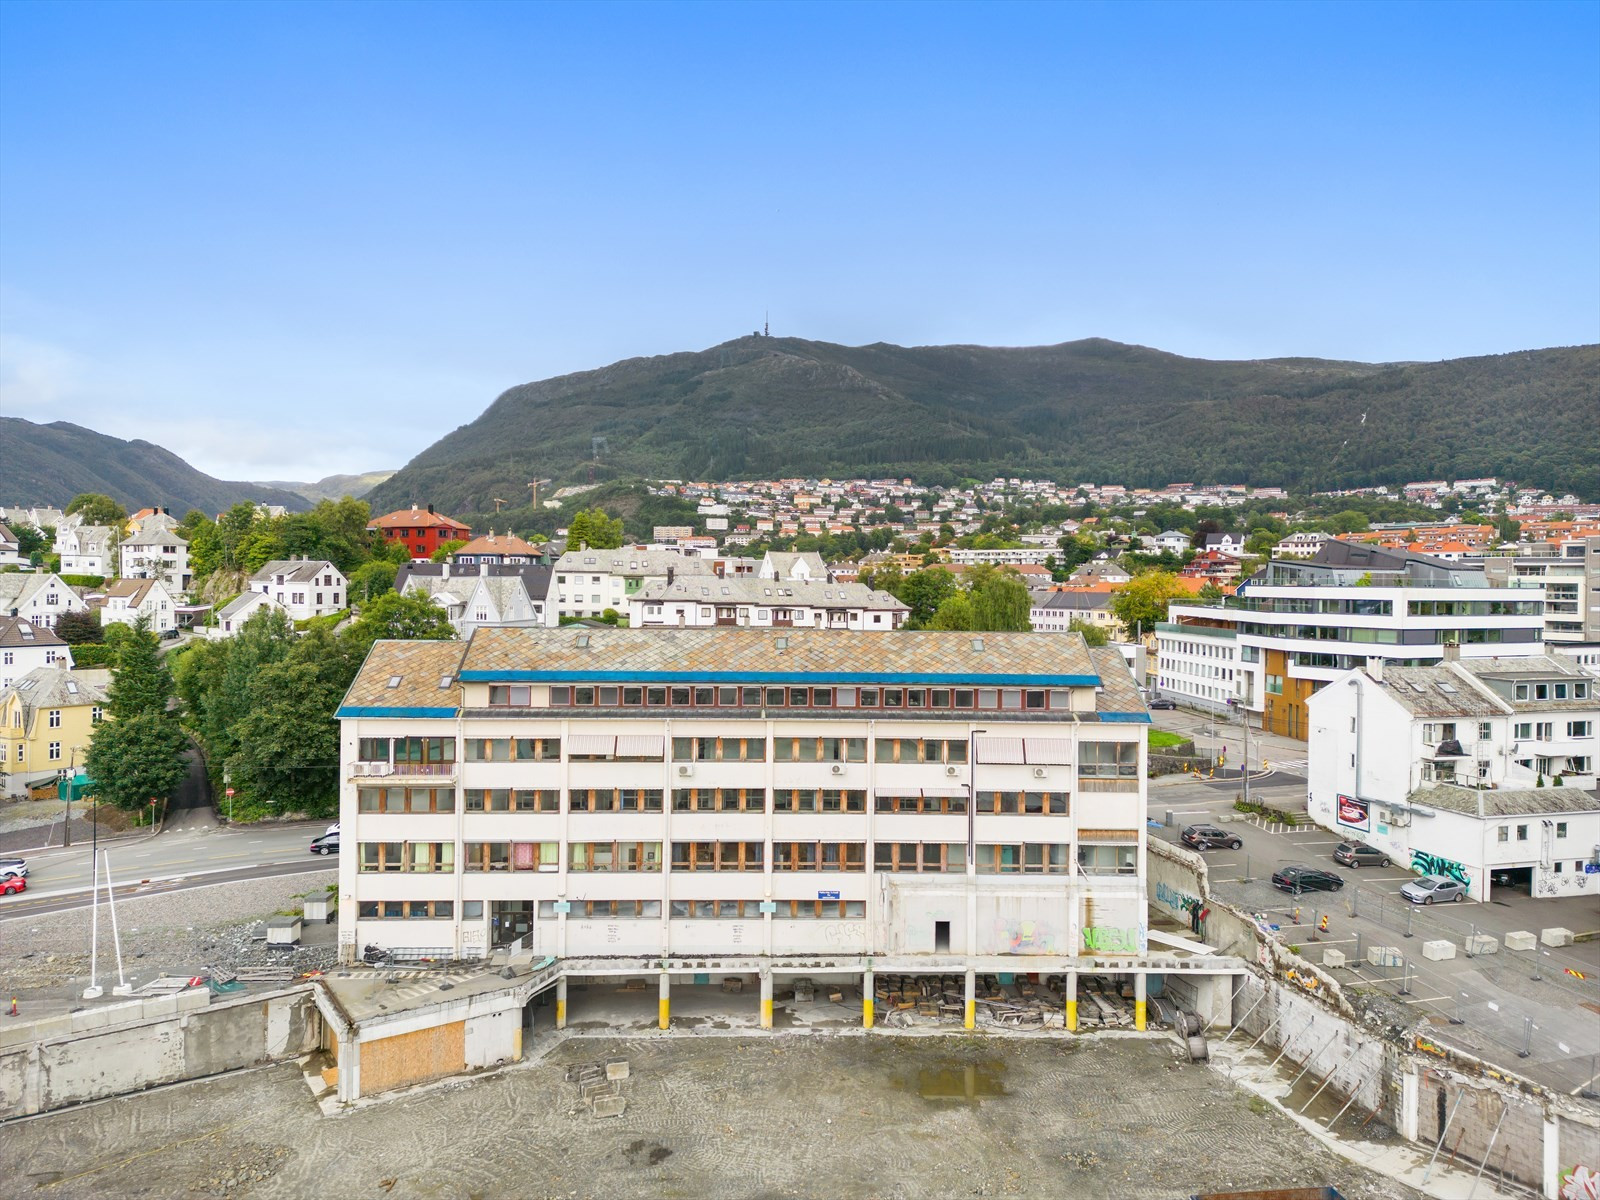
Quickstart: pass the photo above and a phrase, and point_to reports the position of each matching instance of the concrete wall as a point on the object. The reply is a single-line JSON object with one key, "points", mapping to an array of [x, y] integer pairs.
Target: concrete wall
{"points": [[123, 1048], [1315, 1035], [1481, 1123]]}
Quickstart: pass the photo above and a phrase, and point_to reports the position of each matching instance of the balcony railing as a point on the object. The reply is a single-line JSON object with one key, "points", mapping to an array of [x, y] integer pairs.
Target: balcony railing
{"points": [[404, 769]]}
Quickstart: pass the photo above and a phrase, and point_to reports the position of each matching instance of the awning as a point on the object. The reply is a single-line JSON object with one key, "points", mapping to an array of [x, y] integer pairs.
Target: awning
{"points": [[1050, 752], [640, 745], [1000, 750], [943, 793], [591, 745]]}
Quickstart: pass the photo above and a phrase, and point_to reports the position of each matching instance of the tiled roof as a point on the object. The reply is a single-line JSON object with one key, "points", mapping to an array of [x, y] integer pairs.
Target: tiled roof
{"points": [[1435, 692], [1506, 802], [732, 654], [16, 631], [498, 543], [785, 593], [630, 560], [131, 590], [293, 570], [406, 676], [415, 517], [57, 687], [1119, 695]]}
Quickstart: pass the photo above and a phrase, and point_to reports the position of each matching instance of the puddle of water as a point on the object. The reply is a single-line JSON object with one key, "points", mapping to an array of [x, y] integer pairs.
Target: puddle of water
{"points": [[968, 1083]]}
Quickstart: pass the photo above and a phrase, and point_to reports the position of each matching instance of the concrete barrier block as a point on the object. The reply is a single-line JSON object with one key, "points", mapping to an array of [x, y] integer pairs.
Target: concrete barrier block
{"points": [[52, 1027], [1383, 956], [1556, 936], [616, 1068], [1521, 939], [1439, 950], [192, 999], [91, 1018], [610, 1106], [1333, 958], [1480, 944], [161, 1006]]}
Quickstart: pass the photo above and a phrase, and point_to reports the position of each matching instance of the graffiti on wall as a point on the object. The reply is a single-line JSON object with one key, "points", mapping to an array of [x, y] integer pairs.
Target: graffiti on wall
{"points": [[1024, 937], [1180, 902], [1424, 863], [1113, 939], [1580, 1183]]}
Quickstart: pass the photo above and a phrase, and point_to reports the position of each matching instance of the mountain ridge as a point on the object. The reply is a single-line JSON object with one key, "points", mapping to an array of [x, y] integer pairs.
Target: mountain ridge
{"points": [[50, 464], [1092, 409]]}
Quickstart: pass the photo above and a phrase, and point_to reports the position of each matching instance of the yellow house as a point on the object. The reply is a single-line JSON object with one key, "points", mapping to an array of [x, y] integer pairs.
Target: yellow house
{"points": [[46, 718]]}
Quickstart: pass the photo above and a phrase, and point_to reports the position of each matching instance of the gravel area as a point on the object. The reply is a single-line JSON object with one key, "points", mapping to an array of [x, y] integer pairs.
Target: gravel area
{"points": [[725, 1118], [45, 959]]}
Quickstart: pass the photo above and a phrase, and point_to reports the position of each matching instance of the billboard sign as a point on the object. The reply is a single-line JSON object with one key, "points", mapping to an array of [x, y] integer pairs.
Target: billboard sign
{"points": [[1353, 813]]}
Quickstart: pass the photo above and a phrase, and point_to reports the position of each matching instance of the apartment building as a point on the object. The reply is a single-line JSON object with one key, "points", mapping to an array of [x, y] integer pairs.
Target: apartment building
{"points": [[1569, 576], [587, 582], [933, 798], [1476, 769], [1015, 557], [705, 600], [46, 720], [156, 552], [1299, 624]]}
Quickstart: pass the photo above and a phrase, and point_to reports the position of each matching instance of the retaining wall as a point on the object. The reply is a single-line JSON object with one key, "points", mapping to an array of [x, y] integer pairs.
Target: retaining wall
{"points": [[122, 1048]]}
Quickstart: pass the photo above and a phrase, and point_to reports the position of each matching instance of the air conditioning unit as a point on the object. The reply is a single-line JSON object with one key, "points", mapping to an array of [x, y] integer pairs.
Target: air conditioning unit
{"points": [[685, 770], [1040, 773], [838, 768], [952, 771]]}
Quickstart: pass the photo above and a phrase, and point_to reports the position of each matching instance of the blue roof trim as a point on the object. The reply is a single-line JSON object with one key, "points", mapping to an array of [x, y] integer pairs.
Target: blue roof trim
{"points": [[964, 679], [378, 710], [1126, 718]]}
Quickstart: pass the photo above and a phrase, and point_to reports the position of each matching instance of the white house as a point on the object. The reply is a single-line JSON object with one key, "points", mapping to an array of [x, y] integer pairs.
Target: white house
{"points": [[1054, 612], [706, 600], [1173, 540], [86, 549], [126, 600], [804, 566], [232, 616], [38, 598], [25, 647], [1474, 769], [1231, 544], [305, 587], [10, 549], [587, 582], [1303, 544], [483, 593], [156, 552]]}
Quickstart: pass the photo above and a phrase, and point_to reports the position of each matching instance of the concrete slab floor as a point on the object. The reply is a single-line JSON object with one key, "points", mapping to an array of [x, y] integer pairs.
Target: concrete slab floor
{"points": [[723, 1118]]}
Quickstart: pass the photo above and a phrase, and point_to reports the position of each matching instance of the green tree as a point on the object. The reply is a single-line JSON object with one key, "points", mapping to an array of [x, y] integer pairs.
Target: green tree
{"points": [[393, 616], [954, 613], [1141, 603], [137, 755], [446, 549], [923, 592], [592, 529], [372, 580], [1210, 593], [96, 508], [1001, 603], [1094, 634], [31, 541], [79, 628]]}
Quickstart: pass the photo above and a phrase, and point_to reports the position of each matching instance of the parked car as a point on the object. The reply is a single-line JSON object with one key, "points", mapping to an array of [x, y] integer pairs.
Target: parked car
{"points": [[1208, 837], [328, 843], [1163, 702], [1433, 889], [13, 883], [1299, 879], [13, 866], [1359, 854]]}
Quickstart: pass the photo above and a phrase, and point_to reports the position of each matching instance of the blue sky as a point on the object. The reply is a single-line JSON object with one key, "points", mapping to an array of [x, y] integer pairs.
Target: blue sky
{"points": [[291, 239]]}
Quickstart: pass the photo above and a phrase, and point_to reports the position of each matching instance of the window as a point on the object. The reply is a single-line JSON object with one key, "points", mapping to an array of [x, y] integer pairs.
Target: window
{"points": [[1104, 760], [1503, 833], [605, 910], [545, 800], [620, 800], [919, 750], [405, 800], [819, 856], [918, 803], [820, 910], [719, 800], [717, 856], [1522, 833], [510, 696], [508, 856], [55, 751], [424, 751], [1579, 729], [1107, 860], [614, 856], [819, 749], [719, 749], [1522, 691], [815, 800], [1026, 858], [545, 749], [1561, 829], [920, 856], [1023, 803], [55, 718], [407, 909], [1485, 731]]}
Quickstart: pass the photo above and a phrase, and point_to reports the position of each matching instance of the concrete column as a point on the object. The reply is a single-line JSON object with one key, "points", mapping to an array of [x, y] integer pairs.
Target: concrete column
{"points": [[766, 999], [664, 1005], [349, 1089], [1072, 1002], [1139, 1001], [1410, 1098], [971, 1021], [867, 998], [561, 1002], [1552, 1159]]}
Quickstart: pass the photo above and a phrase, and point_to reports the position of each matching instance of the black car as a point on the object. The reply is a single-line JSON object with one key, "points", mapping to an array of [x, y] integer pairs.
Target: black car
{"points": [[1299, 879], [328, 843], [1358, 854], [1208, 837], [1163, 702]]}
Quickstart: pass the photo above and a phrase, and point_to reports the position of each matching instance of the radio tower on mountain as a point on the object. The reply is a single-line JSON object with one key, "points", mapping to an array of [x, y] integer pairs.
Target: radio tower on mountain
{"points": [[766, 323]]}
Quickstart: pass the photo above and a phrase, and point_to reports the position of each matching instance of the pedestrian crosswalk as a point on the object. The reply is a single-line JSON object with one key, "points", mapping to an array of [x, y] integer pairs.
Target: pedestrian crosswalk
{"points": [[1289, 766]]}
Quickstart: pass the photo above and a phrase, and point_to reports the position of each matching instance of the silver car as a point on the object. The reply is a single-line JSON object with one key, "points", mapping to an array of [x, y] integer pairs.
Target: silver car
{"points": [[1433, 889]]}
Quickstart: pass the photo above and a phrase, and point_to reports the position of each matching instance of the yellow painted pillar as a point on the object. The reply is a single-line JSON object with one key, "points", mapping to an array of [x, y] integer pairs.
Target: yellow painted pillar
{"points": [[867, 999], [971, 1021], [561, 1003], [766, 999], [1139, 1001], [1072, 1002], [664, 1005]]}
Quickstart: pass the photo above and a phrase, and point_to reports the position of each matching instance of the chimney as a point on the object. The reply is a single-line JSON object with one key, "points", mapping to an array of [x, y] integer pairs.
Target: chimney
{"points": [[1452, 652], [670, 573], [483, 567], [1375, 669], [413, 508], [430, 510], [446, 565]]}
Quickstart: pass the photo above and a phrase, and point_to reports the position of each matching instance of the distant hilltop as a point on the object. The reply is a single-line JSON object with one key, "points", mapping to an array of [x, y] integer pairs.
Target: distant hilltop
{"points": [[332, 487], [763, 407], [50, 464]]}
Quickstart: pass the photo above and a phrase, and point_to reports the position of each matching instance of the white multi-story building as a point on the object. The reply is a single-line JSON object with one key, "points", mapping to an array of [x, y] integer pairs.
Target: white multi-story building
{"points": [[1569, 577], [1054, 612], [127, 600], [37, 598], [936, 801], [706, 600], [587, 582], [156, 552], [1019, 556], [25, 647], [482, 594], [1477, 769], [86, 549], [1298, 625], [304, 587], [1198, 665]]}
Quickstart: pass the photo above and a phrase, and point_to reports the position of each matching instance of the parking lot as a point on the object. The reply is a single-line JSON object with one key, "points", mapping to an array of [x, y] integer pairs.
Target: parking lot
{"points": [[1533, 1012]]}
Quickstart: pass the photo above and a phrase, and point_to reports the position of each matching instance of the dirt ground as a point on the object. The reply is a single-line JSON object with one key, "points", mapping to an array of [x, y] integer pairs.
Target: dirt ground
{"points": [[732, 1118]]}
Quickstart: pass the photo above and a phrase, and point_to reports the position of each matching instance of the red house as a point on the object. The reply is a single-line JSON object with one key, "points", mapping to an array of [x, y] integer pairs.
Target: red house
{"points": [[419, 531]]}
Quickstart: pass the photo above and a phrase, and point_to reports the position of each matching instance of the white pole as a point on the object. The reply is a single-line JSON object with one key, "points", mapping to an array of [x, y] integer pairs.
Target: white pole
{"points": [[123, 988], [94, 991]]}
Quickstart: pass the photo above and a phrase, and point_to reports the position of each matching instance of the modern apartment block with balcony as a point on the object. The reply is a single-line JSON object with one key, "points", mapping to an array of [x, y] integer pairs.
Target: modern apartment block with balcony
{"points": [[1569, 577], [931, 801], [1299, 624], [1472, 768]]}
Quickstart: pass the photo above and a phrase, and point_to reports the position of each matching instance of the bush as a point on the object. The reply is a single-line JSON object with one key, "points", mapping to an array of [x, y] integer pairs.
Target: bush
{"points": [[84, 581], [90, 654]]}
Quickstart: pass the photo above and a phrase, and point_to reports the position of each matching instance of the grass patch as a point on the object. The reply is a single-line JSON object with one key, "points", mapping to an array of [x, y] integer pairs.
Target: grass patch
{"points": [[1159, 739]]}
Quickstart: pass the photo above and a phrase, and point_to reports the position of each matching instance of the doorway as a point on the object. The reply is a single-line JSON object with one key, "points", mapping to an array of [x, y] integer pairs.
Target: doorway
{"points": [[941, 937], [512, 919]]}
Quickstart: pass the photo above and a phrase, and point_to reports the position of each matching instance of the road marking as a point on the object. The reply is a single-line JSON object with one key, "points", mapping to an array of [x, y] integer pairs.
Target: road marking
{"points": [[1421, 999]]}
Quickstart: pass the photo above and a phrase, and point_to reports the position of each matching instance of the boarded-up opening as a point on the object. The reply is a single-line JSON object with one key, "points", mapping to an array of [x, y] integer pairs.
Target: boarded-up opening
{"points": [[410, 1058]]}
